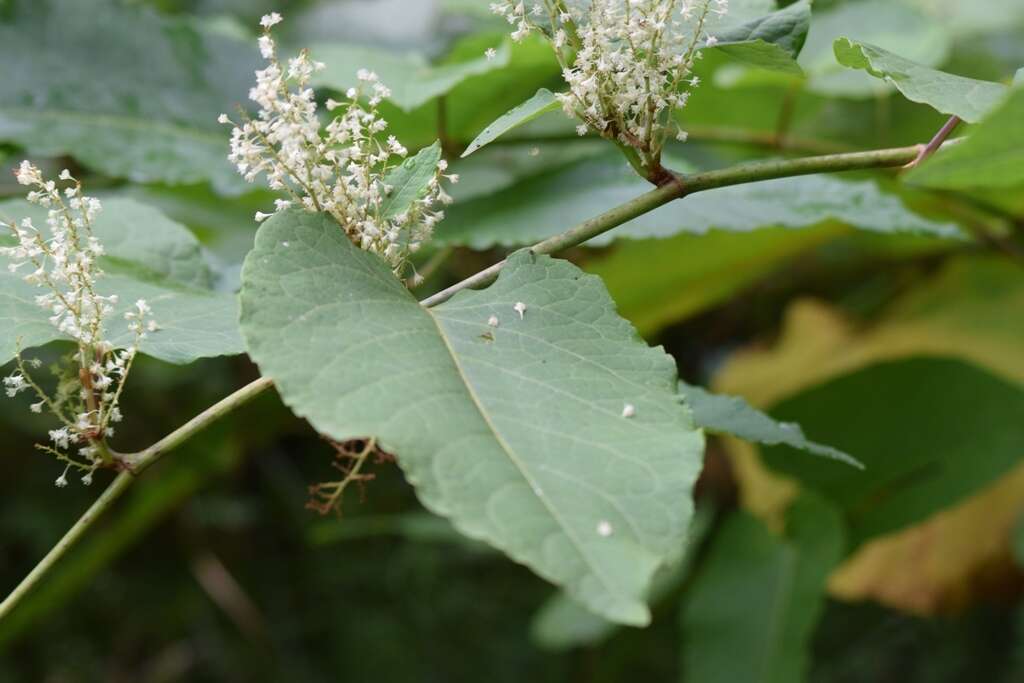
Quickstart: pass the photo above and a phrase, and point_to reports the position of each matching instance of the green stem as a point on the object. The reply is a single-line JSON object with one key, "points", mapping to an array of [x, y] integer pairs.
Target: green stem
{"points": [[691, 184], [137, 463], [681, 187], [84, 523]]}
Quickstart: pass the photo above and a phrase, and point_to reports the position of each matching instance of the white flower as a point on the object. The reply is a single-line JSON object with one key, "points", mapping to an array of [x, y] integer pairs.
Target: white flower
{"points": [[338, 168], [628, 410], [270, 20], [604, 528], [14, 384], [490, 53], [493, 321], [628, 63], [65, 263], [520, 308]]}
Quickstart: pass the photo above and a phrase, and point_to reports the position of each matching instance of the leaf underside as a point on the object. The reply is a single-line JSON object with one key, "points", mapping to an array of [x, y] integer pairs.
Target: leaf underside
{"points": [[516, 431]]}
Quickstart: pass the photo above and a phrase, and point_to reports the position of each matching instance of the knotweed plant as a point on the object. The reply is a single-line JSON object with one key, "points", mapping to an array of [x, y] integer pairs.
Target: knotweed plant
{"points": [[340, 168], [64, 263], [628, 63]]}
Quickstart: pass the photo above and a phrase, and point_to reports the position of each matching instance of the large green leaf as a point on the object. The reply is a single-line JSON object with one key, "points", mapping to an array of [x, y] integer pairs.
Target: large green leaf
{"points": [[125, 91], [546, 204], [991, 157], [750, 612], [413, 81], [890, 25], [148, 257], [929, 430], [562, 623], [967, 98], [733, 415], [770, 42], [657, 282], [660, 282], [516, 431]]}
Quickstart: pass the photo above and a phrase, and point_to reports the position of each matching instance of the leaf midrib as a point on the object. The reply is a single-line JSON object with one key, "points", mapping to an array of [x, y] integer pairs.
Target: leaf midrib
{"points": [[520, 466]]}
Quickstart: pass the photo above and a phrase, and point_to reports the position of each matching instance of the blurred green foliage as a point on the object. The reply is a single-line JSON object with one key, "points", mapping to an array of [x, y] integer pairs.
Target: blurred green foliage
{"points": [[212, 570]]}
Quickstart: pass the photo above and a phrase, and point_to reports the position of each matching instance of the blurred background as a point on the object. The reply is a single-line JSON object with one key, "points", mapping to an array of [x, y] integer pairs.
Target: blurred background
{"points": [[887, 320]]}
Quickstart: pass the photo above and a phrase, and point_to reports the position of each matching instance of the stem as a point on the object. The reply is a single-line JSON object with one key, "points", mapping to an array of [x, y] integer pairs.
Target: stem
{"points": [[936, 142], [137, 463], [691, 184], [679, 187], [84, 523]]}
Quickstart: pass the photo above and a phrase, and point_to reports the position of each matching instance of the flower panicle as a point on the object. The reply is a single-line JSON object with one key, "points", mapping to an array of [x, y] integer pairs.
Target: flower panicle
{"points": [[628, 63], [340, 168], [64, 262]]}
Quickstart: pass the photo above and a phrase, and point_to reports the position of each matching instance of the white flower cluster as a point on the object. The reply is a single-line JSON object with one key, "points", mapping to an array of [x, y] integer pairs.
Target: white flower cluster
{"points": [[340, 168], [65, 264], [629, 63]]}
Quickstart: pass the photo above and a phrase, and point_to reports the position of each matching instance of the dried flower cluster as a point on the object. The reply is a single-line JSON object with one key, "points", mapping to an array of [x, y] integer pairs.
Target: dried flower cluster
{"points": [[64, 263], [629, 63], [341, 168]]}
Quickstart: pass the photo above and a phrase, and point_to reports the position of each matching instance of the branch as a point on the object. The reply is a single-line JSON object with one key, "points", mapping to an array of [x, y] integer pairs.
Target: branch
{"points": [[681, 187], [136, 463], [936, 142], [686, 185]]}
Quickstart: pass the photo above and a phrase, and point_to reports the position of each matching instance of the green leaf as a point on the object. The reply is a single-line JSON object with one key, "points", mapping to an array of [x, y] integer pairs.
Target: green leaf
{"points": [[967, 98], [1018, 541], [513, 432], [751, 611], [770, 42], [541, 206], [412, 80], [541, 103], [562, 623], [657, 282], [126, 91], [991, 157], [887, 24], [929, 430], [148, 257], [733, 415], [410, 179]]}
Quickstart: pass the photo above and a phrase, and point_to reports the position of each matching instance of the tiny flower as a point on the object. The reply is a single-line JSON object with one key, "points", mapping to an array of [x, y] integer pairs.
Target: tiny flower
{"points": [[520, 308], [87, 479], [604, 528], [223, 118], [335, 165], [493, 321], [628, 410], [62, 480], [490, 53], [270, 20]]}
